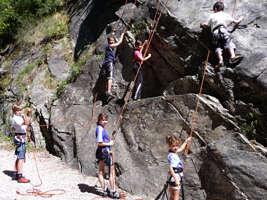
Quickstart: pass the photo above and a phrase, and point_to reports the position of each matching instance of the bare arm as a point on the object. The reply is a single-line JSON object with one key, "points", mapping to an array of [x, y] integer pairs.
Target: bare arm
{"points": [[182, 147], [203, 25], [116, 44], [238, 20], [105, 144], [146, 58]]}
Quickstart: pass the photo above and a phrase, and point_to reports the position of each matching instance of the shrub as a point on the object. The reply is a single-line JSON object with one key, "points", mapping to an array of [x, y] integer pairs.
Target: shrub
{"points": [[13, 13]]}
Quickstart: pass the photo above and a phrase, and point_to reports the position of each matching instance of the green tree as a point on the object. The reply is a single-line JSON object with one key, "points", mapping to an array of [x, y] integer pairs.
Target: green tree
{"points": [[13, 13]]}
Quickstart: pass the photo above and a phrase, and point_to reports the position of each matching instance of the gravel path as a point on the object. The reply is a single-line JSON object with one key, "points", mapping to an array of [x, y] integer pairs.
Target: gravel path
{"points": [[55, 174]]}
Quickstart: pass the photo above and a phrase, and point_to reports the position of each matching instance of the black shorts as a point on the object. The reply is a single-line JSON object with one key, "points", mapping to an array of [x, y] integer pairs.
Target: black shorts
{"points": [[107, 70], [103, 154]]}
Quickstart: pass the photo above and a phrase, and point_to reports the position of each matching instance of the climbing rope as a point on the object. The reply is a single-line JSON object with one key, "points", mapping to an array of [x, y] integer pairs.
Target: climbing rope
{"points": [[34, 191], [235, 6], [197, 105], [200, 92], [146, 49], [131, 86]]}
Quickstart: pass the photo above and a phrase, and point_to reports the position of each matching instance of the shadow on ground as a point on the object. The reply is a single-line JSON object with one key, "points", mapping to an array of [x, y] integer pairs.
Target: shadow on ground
{"points": [[9, 172], [90, 189]]}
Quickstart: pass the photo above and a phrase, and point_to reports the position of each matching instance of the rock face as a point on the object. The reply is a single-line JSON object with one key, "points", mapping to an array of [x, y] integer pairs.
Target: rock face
{"points": [[222, 162]]}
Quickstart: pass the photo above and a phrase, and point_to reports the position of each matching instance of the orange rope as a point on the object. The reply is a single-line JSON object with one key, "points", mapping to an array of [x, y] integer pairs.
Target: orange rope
{"points": [[50, 193], [34, 191], [199, 95], [196, 110], [131, 88], [73, 118], [234, 8]]}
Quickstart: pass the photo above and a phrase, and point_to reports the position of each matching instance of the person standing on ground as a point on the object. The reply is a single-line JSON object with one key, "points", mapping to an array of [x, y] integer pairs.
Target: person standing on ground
{"points": [[20, 127], [138, 61], [104, 157], [109, 60], [175, 173], [218, 22]]}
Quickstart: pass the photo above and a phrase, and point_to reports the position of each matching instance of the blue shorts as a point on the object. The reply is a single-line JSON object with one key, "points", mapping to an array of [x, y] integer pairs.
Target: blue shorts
{"points": [[20, 151], [107, 70]]}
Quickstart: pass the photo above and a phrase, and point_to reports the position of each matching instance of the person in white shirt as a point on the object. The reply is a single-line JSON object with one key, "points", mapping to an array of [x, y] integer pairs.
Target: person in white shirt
{"points": [[19, 127], [176, 166], [218, 22]]}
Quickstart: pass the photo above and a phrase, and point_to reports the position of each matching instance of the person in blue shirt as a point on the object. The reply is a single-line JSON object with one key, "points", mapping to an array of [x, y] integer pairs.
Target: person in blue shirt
{"points": [[104, 157], [175, 173], [109, 60]]}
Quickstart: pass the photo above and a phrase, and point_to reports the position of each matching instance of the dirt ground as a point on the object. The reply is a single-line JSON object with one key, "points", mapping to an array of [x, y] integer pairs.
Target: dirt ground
{"points": [[55, 175]]}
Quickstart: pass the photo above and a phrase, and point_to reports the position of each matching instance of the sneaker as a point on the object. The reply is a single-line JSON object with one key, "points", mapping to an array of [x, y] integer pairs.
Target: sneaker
{"points": [[23, 180], [114, 195], [235, 60]]}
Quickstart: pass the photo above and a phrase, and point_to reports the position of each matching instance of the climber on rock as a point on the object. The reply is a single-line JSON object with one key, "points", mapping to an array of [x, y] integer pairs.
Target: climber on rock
{"points": [[218, 22], [138, 60], [175, 165], [109, 60]]}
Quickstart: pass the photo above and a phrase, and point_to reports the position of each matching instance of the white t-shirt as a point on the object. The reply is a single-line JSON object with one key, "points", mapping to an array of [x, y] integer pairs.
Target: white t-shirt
{"points": [[174, 161], [17, 124], [219, 18]]}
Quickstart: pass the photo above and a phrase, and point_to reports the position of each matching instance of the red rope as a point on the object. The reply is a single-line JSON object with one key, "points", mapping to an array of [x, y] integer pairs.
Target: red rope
{"points": [[197, 104], [34, 191]]}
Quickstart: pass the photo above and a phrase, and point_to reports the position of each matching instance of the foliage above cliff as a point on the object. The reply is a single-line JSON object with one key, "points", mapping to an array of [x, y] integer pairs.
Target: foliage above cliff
{"points": [[14, 13]]}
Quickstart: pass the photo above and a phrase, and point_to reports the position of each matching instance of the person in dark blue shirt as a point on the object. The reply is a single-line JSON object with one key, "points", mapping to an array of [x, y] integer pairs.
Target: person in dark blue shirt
{"points": [[109, 61]]}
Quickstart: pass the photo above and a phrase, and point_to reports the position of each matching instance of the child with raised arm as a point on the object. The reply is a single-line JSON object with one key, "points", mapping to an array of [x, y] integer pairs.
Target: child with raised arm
{"points": [[109, 60], [218, 22], [138, 60], [175, 173], [20, 127], [104, 157]]}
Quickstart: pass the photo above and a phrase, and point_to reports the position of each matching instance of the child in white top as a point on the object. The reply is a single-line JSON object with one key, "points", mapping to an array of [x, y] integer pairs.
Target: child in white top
{"points": [[20, 127], [175, 165], [218, 22]]}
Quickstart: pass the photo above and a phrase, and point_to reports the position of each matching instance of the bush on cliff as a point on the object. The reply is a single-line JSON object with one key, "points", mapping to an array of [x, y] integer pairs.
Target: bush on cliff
{"points": [[14, 13]]}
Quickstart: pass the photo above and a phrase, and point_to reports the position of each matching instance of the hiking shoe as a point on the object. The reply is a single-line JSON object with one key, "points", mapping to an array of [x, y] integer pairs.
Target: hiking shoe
{"points": [[114, 195], [219, 65], [23, 180], [235, 60]]}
